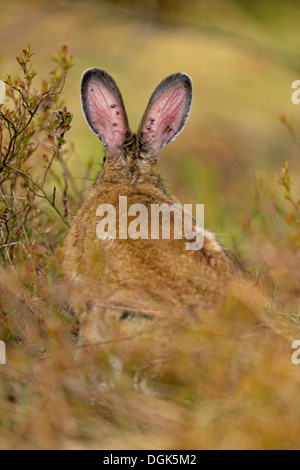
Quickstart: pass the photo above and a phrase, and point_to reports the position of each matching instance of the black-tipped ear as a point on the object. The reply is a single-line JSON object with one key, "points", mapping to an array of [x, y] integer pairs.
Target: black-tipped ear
{"points": [[167, 112], [104, 110]]}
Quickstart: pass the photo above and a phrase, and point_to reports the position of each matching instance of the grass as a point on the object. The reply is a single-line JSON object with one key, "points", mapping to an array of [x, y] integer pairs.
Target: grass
{"points": [[228, 380]]}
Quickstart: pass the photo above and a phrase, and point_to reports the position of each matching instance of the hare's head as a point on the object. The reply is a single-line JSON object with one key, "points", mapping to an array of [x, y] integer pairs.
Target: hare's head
{"points": [[131, 158]]}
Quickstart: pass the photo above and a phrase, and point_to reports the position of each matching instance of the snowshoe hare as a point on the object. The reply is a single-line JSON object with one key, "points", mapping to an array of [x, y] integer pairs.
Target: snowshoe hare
{"points": [[124, 280]]}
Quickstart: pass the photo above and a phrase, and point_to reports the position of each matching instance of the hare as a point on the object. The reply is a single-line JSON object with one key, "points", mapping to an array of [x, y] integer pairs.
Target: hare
{"points": [[125, 281]]}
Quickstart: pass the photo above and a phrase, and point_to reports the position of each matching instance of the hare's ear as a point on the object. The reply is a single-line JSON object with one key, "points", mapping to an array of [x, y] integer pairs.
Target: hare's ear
{"points": [[104, 110], [167, 112]]}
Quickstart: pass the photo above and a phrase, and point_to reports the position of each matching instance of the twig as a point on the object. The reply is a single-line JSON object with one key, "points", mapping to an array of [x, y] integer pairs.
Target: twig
{"points": [[240, 264], [9, 244], [32, 114], [52, 203], [66, 199], [48, 168], [54, 194]]}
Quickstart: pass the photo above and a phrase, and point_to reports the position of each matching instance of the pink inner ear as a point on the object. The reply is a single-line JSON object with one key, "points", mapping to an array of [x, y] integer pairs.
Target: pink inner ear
{"points": [[106, 116], [164, 117]]}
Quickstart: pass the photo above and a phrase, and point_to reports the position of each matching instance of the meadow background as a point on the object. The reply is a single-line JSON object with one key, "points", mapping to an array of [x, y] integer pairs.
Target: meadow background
{"points": [[240, 389]]}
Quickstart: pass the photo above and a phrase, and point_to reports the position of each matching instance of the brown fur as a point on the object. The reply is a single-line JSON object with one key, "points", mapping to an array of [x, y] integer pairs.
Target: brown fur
{"points": [[158, 275]]}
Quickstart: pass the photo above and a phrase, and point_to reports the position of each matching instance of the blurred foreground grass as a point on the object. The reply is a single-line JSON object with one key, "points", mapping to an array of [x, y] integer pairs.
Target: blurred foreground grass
{"points": [[228, 381]]}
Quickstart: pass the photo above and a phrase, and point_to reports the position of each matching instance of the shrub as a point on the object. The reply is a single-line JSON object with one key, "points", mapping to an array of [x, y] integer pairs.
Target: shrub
{"points": [[32, 128]]}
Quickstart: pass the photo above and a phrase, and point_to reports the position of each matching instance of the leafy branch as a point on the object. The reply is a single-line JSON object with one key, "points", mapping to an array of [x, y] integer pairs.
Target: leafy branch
{"points": [[32, 128]]}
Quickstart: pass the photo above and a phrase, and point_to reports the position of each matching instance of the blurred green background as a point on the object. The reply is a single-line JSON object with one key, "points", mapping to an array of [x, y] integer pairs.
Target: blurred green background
{"points": [[242, 56]]}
